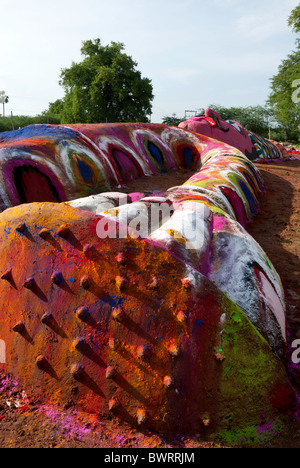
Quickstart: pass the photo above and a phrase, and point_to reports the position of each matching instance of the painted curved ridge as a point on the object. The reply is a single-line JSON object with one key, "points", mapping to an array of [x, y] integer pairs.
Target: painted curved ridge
{"points": [[255, 147], [268, 149], [58, 163], [157, 308]]}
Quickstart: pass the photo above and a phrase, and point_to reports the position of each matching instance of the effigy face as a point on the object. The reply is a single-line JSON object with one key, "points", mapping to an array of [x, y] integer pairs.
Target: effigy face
{"points": [[157, 308], [212, 125], [255, 147]]}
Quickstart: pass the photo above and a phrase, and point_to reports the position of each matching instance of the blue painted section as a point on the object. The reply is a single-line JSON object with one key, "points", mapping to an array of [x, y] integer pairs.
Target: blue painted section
{"points": [[156, 153], [38, 131], [188, 157], [86, 171]]}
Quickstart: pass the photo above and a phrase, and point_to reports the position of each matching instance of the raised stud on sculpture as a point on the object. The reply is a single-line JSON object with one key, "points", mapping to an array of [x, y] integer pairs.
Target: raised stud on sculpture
{"points": [[57, 277], [113, 344], [110, 372], [21, 228], [41, 362], [121, 283], [77, 370], [63, 231], [113, 404], [83, 314], [30, 283], [187, 284], [47, 319], [80, 344], [141, 416], [143, 352], [7, 276], [174, 350], [118, 315], [181, 317], [88, 250], [154, 284], [44, 233], [86, 282], [168, 381], [19, 327], [121, 258]]}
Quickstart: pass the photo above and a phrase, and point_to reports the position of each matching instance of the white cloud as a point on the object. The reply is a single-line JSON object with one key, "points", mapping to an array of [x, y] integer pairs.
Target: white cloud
{"points": [[180, 75], [247, 62], [263, 23], [186, 47], [226, 3]]}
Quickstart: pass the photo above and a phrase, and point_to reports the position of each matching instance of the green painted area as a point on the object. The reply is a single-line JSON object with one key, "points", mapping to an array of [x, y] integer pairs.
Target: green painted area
{"points": [[249, 376], [157, 156], [86, 174], [251, 436], [269, 263], [202, 183]]}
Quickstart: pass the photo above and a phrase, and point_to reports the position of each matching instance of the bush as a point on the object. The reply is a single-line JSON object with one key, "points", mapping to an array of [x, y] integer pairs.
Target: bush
{"points": [[21, 121]]}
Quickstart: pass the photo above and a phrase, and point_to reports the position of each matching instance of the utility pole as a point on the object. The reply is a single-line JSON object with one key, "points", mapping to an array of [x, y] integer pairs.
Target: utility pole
{"points": [[3, 100], [190, 112], [12, 121]]}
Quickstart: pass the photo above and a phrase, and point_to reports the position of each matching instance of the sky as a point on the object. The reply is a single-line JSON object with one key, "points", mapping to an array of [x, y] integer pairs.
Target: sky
{"points": [[196, 52]]}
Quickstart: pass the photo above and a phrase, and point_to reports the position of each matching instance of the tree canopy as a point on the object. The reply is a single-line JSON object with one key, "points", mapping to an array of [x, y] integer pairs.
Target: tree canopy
{"points": [[294, 19], [285, 86], [172, 120], [104, 87], [19, 121]]}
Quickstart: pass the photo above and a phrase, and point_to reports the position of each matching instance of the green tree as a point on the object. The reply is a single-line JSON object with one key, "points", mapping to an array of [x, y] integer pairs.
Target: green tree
{"points": [[284, 98], [21, 121], [172, 120], [285, 86], [104, 87], [294, 19], [55, 108]]}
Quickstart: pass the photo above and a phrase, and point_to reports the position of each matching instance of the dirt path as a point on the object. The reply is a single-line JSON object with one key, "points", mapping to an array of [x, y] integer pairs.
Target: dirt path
{"points": [[277, 229]]}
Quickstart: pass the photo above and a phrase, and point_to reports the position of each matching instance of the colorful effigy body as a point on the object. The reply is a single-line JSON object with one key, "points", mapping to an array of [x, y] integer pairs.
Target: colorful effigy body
{"points": [[158, 308], [64, 163]]}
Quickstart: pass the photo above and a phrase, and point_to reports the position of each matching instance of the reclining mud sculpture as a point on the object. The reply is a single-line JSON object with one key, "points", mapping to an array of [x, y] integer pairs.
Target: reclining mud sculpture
{"points": [[176, 326], [255, 147]]}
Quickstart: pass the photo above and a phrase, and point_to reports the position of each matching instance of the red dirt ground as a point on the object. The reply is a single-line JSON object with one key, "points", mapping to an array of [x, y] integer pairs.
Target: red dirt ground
{"points": [[27, 423]]}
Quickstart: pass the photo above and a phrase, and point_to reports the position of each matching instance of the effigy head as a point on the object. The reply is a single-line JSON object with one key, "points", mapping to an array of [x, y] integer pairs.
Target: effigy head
{"points": [[255, 147], [212, 125]]}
